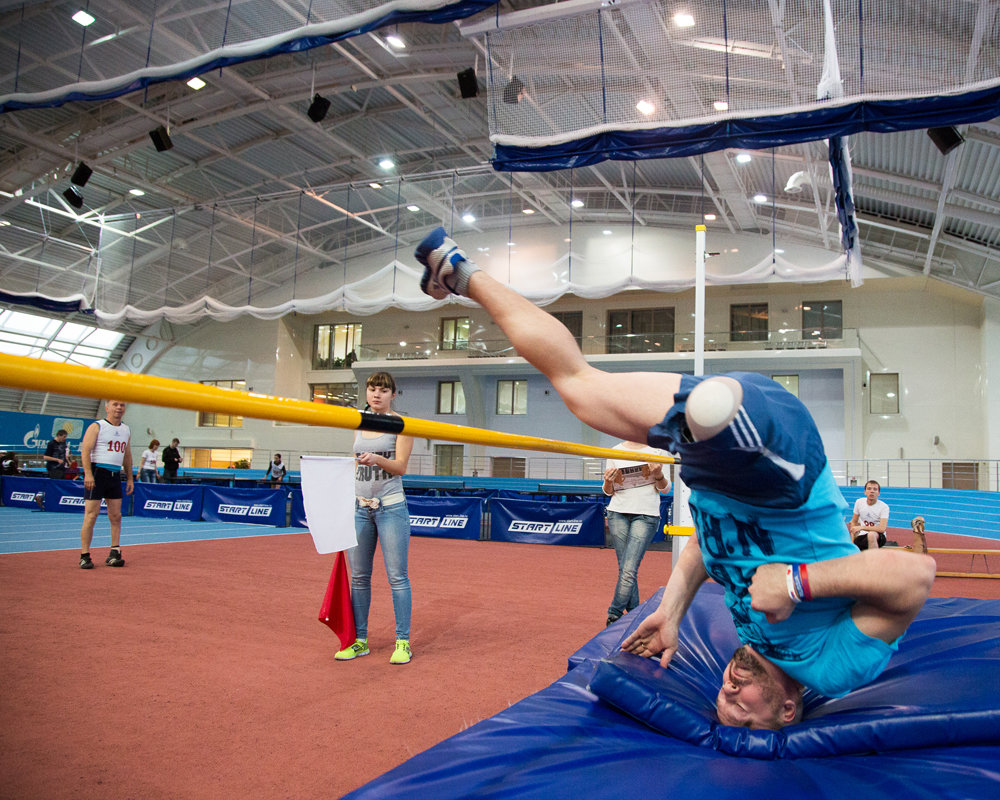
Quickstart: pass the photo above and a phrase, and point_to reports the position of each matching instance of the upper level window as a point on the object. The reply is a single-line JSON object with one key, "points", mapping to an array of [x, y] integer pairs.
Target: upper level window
{"points": [[573, 320], [215, 419], [823, 319], [455, 333], [748, 322], [451, 397], [336, 346], [335, 394], [641, 330], [883, 391], [512, 397], [790, 382]]}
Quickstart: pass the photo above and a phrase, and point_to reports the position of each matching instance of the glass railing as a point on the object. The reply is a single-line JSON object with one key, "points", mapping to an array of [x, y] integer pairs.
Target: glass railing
{"points": [[623, 344]]}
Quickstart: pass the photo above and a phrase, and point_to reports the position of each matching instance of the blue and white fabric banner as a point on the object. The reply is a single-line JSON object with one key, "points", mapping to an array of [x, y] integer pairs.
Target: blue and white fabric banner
{"points": [[167, 501], [62, 495], [20, 492], [257, 506], [447, 517], [298, 519], [547, 523]]}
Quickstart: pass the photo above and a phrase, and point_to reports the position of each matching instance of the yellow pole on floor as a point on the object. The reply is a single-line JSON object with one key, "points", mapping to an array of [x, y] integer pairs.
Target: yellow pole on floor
{"points": [[72, 379]]}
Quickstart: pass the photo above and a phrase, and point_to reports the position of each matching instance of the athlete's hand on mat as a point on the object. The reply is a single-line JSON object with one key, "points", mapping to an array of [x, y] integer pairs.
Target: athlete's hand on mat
{"points": [[655, 635], [769, 592]]}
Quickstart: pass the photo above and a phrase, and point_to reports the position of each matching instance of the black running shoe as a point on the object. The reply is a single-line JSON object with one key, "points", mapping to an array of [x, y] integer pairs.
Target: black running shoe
{"points": [[115, 559], [85, 562]]}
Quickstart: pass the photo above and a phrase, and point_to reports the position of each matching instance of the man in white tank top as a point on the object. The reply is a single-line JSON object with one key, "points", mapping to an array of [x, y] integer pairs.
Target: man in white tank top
{"points": [[106, 453]]}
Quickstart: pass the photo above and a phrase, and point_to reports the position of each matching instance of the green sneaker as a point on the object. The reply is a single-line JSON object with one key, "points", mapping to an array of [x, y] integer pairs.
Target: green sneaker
{"points": [[402, 653], [356, 650]]}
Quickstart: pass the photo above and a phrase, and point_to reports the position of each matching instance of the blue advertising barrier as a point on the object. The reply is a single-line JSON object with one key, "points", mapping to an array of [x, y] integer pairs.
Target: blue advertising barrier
{"points": [[448, 517], [61, 495], [298, 510], [20, 492], [258, 506], [167, 501], [579, 523]]}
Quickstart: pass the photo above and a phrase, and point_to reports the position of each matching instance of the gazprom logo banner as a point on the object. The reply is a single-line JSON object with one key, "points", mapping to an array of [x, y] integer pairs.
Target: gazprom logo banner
{"points": [[259, 506], [448, 517], [34, 431], [580, 523], [168, 501]]}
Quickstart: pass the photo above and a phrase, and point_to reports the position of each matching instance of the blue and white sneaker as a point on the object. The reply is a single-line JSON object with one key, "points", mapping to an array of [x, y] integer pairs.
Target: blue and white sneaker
{"points": [[440, 255]]}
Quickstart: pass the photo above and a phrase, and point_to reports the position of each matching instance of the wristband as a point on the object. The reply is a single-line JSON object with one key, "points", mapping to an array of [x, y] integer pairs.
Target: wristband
{"points": [[804, 576], [790, 584]]}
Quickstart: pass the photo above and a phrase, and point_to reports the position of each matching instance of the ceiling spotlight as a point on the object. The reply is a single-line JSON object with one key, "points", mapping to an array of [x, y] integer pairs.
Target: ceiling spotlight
{"points": [[945, 139], [394, 40], [73, 197], [513, 92], [136, 192], [682, 20], [387, 163], [710, 218], [197, 83], [720, 105], [375, 185], [577, 203], [81, 17], [412, 207], [528, 211], [743, 158], [760, 198], [81, 174], [606, 232], [645, 107], [161, 139], [468, 219], [318, 108]]}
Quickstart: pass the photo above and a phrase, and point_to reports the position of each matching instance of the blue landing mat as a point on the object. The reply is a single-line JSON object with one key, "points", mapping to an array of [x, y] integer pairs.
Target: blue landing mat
{"points": [[565, 742]]}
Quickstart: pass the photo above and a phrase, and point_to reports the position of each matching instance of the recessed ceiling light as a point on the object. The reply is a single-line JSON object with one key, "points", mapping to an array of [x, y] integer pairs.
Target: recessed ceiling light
{"points": [[468, 218], [375, 185], [81, 17], [710, 218], [196, 83], [645, 107], [720, 105], [779, 251], [412, 207], [386, 163], [760, 198], [577, 203], [528, 211], [511, 244], [682, 20], [396, 41], [606, 233], [136, 192], [743, 158], [4, 223]]}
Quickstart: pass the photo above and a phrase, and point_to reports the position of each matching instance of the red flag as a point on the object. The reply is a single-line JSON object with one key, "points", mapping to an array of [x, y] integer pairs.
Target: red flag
{"points": [[336, 611]]}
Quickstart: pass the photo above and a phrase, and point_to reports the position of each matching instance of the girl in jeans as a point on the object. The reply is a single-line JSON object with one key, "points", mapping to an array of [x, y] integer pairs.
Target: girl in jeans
{"points": [[380, 515], [633, 515]]}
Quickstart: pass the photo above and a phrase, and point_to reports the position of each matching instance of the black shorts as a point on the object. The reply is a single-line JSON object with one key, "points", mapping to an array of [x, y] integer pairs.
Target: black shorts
{"points": [[107, 485], [861, 540]]}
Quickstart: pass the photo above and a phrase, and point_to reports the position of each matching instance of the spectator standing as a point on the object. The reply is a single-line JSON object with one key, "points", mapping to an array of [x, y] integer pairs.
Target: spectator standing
{"points": [[147, 463], [172, 459], [57, 455]]}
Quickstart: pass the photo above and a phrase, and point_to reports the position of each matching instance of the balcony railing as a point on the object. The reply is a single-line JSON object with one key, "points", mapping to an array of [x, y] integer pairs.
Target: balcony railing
{"points": [[623, 344]]}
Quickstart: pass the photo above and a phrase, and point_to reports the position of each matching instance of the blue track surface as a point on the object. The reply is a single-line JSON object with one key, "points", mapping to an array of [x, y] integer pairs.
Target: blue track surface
{"points": [[24, 530]]}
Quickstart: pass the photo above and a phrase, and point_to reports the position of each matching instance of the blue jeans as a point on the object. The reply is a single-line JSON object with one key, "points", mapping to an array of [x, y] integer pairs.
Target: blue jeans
{"points": [[147, 476], [389, 525], [631, 534]]}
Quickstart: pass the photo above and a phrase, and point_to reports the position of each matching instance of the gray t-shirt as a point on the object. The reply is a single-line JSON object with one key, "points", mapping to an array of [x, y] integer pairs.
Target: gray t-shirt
{"points": [[374, 481]]}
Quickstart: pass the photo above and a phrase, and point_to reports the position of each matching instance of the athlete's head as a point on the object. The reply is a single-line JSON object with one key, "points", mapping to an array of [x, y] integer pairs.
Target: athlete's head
{"points": [[380, 388], [872, 491], [114, 410], [757, 694]]}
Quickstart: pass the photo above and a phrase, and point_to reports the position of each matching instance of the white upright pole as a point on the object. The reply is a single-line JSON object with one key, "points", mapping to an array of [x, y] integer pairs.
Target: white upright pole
{"points": [[681, 509]]}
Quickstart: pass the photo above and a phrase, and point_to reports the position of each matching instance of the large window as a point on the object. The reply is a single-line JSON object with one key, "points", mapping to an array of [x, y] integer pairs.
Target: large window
{"points": [[507, 467], [336, 346], [451, 397], [823, 319], [748, 322], [512, 397], [48, 339], [335, 394], [790, 382], [883, 392], [455, 333], [217, 458], [573, 320], [641, 330], [217, 419], [448, 459]]}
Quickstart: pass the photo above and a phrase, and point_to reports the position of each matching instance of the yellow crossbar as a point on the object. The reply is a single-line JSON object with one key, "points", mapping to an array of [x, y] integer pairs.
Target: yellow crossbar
{"points": [[75, 380]]}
